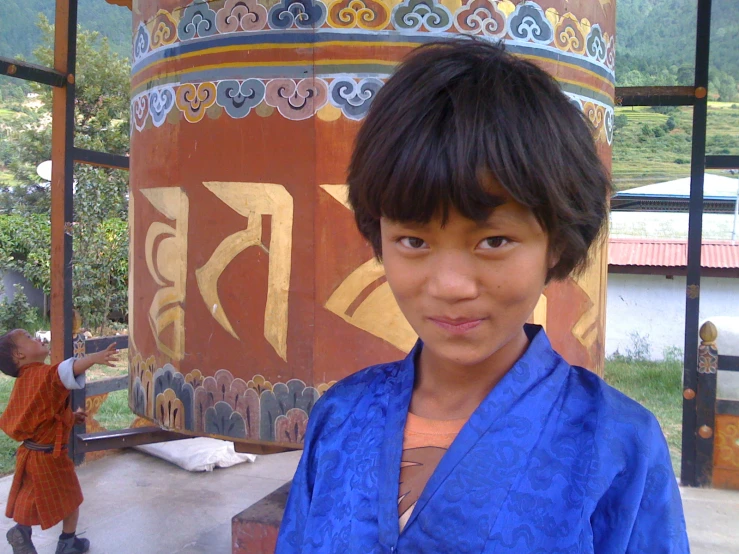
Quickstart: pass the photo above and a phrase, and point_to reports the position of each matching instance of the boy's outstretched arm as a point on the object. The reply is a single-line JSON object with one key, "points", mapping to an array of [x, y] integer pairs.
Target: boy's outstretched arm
{"points": [[71, 371], [104, 357]]}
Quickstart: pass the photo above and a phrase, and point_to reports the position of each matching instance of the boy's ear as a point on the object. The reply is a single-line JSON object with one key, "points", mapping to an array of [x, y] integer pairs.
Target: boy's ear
{"points": [[553, 257]]}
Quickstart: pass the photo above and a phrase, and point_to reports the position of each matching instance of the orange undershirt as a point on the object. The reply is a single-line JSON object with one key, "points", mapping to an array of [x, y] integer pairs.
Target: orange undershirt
{"points": [[425, 441]]}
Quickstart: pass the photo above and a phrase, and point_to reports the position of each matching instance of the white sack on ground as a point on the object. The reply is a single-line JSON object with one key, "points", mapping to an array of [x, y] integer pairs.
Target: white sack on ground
{"points": [[198, 454]]}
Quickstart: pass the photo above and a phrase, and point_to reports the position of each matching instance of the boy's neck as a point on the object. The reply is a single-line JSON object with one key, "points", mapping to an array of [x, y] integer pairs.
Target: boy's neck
{"points": [[445, 390], [28, 361]]}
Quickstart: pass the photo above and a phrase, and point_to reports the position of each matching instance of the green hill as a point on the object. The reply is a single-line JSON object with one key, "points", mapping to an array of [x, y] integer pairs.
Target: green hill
{"points": [[661, 33], [20, 37], [655, 38]]}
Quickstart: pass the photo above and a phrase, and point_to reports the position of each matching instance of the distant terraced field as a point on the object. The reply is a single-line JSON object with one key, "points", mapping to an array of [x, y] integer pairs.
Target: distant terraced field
{"points": [[647, 149]]}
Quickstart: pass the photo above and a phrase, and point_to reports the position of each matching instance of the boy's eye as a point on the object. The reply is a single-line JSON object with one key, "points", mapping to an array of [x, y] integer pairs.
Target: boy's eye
{"points": [[493, 242], [414, 243]]}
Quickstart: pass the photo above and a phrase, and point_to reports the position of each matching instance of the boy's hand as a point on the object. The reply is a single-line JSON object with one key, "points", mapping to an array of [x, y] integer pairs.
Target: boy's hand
{"points": [[80, 416], [105, 357]]}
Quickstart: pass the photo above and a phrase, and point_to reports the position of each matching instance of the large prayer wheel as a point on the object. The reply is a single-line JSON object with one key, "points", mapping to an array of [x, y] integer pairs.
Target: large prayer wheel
{"points": [[251, 290]]}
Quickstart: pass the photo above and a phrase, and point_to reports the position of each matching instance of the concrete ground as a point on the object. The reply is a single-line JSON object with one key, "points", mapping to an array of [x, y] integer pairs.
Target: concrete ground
{"points": [[136, 504]]}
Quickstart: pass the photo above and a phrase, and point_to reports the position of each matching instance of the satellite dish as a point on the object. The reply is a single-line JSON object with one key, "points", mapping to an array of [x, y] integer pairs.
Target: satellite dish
{"points": [[44, 170]]}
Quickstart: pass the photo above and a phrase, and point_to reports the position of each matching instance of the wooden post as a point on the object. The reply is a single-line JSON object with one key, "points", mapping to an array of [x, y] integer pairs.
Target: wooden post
{"points": [[706, 404], [62, 170], [62, 141]]}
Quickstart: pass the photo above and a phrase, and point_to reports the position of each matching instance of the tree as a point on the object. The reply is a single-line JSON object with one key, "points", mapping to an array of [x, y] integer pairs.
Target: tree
{"points": [[101, 123], [724, 85], [100, 230]]}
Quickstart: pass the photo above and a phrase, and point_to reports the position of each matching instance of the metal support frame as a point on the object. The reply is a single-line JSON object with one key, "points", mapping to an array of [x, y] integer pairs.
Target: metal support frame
{"points": [[722, 162], [32, 72], [655, 96], [100, 159], [688, 473], [125, 438], [695, 453]]}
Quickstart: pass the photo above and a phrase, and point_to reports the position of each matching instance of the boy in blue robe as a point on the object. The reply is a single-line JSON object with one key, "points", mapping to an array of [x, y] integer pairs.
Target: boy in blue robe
{"points": [[477, 182]]}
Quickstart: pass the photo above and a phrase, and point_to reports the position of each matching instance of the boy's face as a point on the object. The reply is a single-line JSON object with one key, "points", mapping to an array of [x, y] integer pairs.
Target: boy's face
{"points": [[468, 288], [28, 349]]}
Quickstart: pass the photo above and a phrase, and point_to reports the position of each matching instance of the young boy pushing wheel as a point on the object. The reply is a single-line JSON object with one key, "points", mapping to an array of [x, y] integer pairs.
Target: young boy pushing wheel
{"points": [[45, 488]]}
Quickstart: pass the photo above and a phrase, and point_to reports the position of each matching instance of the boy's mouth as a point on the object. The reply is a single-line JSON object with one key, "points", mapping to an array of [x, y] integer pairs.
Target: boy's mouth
{"points": [[457, 326]]}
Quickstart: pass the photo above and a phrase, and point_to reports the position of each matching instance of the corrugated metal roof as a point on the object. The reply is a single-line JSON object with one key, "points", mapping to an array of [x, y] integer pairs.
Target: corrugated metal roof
{"points": [[670, 253]]}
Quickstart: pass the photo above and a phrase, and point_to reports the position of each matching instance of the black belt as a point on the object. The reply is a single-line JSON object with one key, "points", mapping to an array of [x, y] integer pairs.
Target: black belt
{"points": [[48, 448]]}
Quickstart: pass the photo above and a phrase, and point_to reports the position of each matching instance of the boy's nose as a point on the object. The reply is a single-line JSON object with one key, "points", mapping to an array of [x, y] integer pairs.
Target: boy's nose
{"points": [[453, 278]]}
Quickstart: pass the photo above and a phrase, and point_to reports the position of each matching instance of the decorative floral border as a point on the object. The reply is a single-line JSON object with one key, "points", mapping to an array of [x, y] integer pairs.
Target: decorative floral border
{"points": [[294, 99], [222, 405], [495, 19]]}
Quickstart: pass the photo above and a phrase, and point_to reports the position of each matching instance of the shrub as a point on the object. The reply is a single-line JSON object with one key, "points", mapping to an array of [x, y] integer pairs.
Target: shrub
{"points": [[18, 313]]}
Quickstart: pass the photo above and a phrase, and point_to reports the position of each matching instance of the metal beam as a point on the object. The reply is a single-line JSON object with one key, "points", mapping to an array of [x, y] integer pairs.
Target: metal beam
{"points": [[125, 438], [105, 386], [655, 96], [688, 470], [728, 363], [32, 72], [722, 162], [100, 159], [99, 344]]}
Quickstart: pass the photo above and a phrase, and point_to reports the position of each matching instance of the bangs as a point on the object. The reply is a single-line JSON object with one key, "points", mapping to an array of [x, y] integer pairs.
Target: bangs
{"points": [[432, 183]]}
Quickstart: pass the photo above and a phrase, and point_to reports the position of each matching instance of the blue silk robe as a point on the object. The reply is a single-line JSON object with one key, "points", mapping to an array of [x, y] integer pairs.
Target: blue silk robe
{"points": [[554, 461]]}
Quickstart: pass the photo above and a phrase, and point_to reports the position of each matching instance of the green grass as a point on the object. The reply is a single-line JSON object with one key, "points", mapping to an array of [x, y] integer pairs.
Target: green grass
{"points": [[113, 414], [7, 445], [641, 159], [657, 387]]}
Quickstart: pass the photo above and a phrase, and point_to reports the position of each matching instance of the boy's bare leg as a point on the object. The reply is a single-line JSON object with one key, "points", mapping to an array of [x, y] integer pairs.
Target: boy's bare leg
{"points": [[69, 542], [69, 524]]}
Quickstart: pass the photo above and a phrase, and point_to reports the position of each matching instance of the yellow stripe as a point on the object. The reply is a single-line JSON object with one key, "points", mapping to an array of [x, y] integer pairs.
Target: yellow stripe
{"points": [[573, 66], [583, 85], [387, 63], [278, 46]]}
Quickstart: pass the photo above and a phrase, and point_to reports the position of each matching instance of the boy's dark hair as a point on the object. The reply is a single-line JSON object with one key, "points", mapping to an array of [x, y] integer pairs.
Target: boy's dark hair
{"points": [[8, 365], [459, 109]]}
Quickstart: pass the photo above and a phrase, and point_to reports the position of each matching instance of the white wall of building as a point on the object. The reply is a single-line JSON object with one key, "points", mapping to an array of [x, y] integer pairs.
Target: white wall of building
{"points": [[654, 307]]}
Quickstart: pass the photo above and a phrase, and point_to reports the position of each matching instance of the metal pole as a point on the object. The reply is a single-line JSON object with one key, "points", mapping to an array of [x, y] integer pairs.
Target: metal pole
{"points": [[688, 476]]}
